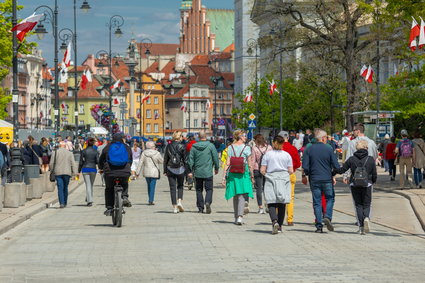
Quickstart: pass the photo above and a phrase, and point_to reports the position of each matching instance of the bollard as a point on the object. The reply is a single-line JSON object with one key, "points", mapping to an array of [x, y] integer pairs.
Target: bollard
{"points": [[50, 186], [23, 195], [29, 192], [1, 197], [37, 187], [12, 194], [46, 181], [31, 171]]}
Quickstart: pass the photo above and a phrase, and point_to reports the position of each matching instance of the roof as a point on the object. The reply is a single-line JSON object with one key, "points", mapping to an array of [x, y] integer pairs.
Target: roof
{"points": [[168, 69], [153, 68], [230, 48], [158, 49], [222, 25], [200, 60]]}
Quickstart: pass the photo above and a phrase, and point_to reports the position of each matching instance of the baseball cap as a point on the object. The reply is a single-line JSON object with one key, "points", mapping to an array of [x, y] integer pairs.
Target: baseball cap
{"points": [[387, 137], [404, 132], [283, 134]]}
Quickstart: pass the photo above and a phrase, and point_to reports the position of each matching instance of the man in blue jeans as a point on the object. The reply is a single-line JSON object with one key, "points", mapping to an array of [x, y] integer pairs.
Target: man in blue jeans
{"points": [[318, 162]]}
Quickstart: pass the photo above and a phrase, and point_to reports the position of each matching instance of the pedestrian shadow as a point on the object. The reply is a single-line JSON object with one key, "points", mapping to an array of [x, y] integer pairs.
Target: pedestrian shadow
{"points": [[262, 223], [223, 222], [384, 234], [80, 205], [260, 231], [228, 212], [164, 211], [100, 225]]}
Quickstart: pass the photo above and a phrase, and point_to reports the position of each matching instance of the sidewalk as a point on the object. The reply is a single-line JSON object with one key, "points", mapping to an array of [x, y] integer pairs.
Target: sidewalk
{"points": [[415, 196], [12, 217]]}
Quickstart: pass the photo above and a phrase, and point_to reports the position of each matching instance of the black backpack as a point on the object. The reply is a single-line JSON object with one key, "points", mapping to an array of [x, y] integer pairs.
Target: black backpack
{"points": [[175, 160], [360, 176]]}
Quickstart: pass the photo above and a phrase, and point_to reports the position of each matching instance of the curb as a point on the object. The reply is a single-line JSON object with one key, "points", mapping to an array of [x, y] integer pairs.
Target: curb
{"points": [[26, 214], [415, 202]]}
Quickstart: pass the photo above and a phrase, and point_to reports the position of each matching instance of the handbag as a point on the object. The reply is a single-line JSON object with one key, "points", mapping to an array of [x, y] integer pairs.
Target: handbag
{"points": [[52, 176], [159, 172], [237, 164], [40, 161]]}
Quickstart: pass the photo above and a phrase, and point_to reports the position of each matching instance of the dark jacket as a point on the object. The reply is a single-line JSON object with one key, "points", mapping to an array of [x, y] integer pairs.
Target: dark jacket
{"points": [[89, 158], [115, 171], [359, 158], [318, 162], [6, 155], [175, 148], [30, 156], [202, 158]]}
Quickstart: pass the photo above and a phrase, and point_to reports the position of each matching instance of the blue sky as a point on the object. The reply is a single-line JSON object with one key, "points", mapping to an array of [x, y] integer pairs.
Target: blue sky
{"points": [[155, 19]]}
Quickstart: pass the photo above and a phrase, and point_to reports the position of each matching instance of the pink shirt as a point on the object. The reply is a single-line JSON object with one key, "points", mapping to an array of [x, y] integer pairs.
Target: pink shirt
{"points": [[257, 153]]}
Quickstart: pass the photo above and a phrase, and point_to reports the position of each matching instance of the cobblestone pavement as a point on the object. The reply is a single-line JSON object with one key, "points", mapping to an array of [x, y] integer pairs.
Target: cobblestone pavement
{"points": [[79, 244]]}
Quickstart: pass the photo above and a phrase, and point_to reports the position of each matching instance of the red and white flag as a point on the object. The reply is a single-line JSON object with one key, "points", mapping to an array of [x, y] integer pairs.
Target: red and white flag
{"points": [[248, 97], [26, 26], [63, 105], [67, 56], [146, 96], [85, 78], [115, 85], [63, 73], [363, 71], [422, 34], [369, 75], [272, 87], [116, 101], [414, 33], [395, 69], [208, 105], [183, 107]]}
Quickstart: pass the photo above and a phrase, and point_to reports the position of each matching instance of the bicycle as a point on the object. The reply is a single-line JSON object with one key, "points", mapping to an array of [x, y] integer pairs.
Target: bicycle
{"points": [[118, 209]]}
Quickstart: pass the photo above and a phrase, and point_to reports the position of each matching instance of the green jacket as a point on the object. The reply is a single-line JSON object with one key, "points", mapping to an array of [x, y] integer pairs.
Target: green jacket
{"points": [[202, 157]]}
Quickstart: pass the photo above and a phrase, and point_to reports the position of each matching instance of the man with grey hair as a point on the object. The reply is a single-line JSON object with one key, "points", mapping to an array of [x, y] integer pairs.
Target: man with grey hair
{"points": [[318, 163], [202, 157]]}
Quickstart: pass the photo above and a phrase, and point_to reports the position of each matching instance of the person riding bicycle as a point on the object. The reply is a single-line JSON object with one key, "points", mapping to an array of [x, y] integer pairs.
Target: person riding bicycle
{"points": [[115, 162]]}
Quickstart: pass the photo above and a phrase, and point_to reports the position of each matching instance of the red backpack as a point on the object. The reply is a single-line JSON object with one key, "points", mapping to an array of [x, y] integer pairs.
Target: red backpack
{"points": [[237, 164]]}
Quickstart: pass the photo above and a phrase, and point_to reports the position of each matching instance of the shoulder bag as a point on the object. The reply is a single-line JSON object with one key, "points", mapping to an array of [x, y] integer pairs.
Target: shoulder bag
{"points": [[237, 164], [52, 171], [159, 172]]}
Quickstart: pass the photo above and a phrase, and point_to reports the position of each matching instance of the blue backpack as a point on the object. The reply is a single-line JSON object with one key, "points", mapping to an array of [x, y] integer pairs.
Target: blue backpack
{"points": [[118, 154]]}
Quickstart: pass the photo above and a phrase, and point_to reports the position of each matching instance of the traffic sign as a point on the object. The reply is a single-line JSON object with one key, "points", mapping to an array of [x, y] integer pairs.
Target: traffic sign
{"points": [[252, 124], [221, 122], [252, 117], [221, 127]]}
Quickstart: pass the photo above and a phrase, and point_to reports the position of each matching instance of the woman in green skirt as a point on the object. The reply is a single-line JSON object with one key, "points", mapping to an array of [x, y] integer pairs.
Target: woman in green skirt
{"points": [[238, 185]]}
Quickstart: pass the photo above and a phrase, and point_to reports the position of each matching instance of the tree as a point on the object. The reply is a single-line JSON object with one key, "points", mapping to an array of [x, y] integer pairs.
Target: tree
{"points": [[6, 51], [331, 30]]}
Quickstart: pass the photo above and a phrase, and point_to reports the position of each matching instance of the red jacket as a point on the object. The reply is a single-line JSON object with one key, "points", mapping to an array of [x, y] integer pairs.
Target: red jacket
{"points": [[389, 151], [293, 152], [189, 145]]}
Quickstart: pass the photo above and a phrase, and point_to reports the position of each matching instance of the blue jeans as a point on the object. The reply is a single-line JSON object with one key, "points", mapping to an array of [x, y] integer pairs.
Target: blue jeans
{"points": [[63, 182], [417, 174], [151, 188], [328, 191]]}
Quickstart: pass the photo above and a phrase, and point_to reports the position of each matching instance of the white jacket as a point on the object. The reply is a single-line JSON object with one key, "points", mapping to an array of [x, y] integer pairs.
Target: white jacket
{"points": [[149, 164]]}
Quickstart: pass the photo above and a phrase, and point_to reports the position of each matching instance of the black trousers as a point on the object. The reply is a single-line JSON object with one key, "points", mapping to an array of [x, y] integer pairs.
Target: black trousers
{"points": [[176, 183], [109, 189], [362, 200], [201, 184], [277, 212], [259, 182], [392, 167]]}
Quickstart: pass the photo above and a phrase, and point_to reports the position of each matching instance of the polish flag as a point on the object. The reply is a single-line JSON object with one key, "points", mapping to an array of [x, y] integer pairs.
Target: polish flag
{"points": [[63, 73], [422, 34], [63, 105], [208, 105], [414, 33], [67, 55], [248, 97], [26, 26], [146, 96], [85, 78], [183, 107], [272, 87], [49, 71], [116, 101], [363, 71], [115, 85], [369, 75]]}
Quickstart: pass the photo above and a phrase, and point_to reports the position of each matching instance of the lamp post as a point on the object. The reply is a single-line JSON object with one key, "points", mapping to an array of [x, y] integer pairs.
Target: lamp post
{"points": [[51, 16], [253, 44], [187, 73], [276, 24], [212, 56]]}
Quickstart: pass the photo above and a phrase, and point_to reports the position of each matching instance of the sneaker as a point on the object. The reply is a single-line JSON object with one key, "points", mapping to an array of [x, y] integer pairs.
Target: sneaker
{"points": [[200, 210], [290, 223], [90, 204], [261, 211], [328, 224], [180, 207], [361, 231], [175, 210], [108, 212], [392, 179], [62, 206], [246, 208], [126, 202], [275, 229], [280, 229], [151, 203], [239, 221], [208, 208], [367, 225], [319, 230]]}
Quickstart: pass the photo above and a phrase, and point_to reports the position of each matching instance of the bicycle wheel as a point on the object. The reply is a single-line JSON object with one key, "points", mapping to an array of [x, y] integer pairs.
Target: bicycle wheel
{"points": [[118, 208]]}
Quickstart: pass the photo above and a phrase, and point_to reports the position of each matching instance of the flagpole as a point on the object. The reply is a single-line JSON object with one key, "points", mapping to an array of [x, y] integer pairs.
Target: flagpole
{"points": [[378, 89], [15, 91]]}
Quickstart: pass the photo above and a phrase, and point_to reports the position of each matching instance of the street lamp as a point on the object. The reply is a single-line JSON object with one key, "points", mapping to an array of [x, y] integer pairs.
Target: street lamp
{"points": [[213, 56], [147, 44], [187, 74], [253, 45], [276, 26]]}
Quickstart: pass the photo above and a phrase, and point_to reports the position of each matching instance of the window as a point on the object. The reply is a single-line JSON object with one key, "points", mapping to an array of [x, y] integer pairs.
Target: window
{"points": [[122, 115], [204, 93], [222, 109], [155, 128], [195, 92], [172, 91], [148, 114], [81, 109], [148, 101], [220, 83], [69, 92], [82, 123], [228, 110], [195, 106], [195, 123], [155, 100], [148, 128], [156, 114], [203, 106], [187, 123]]}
